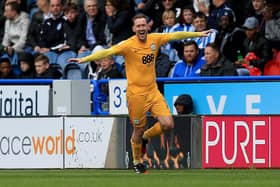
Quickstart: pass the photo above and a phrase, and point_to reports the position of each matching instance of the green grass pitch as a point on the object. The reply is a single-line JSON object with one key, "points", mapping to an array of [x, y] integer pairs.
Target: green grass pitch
{"points": [[126, 178]]}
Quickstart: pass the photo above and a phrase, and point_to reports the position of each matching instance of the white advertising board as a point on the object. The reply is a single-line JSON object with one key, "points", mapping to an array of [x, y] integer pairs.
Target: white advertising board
{"points": [[21, 100], [31, 142], [92, 136], [117, 97]]}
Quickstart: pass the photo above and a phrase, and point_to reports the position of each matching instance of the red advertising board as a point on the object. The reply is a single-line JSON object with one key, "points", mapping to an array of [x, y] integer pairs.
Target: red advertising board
{"points": [[241, 142]]}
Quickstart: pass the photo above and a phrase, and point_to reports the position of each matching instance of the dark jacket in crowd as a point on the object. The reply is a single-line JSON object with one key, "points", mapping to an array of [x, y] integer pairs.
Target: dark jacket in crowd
{"points": [[11, 75], [163, 65], [33, 35], [98, 26], [222, 67], [261, 48], [73, 35], [50, 73], [215, 15], [113, 73], [51, 32], [120, 25], [230, 41], [153, 9], [29, 59]]}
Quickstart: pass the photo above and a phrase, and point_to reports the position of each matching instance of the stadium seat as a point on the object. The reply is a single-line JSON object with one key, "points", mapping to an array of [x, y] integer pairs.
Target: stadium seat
{"points": [[72, 72], [56, 66]]}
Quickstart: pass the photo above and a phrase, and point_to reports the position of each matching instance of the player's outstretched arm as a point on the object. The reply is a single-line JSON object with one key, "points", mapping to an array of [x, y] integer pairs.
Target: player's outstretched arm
{"points": [[183, 34], [77, 60], [95, 56]]}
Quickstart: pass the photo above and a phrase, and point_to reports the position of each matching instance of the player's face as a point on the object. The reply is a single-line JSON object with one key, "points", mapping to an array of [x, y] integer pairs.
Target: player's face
{"points": [[140, 28]]}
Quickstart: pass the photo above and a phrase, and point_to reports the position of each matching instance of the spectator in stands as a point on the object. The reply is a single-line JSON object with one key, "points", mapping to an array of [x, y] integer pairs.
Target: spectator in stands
{"points": [[94, 68], [272, 23], [52, 37], [109, 69], [163, 65], [190, 65], [6, 71], [93, 24], [230, 37], [200, 24], [26, 64], [44, 70], [72, 33], [2, 25], [169, 5], [215, 13], [185, 23], [254, 45], [16, 28], [216, 63], [169, 20], [256, 9], [153, 9], [240, 8], [118, 20], [118, 23], [33, 36], [185, 20]]}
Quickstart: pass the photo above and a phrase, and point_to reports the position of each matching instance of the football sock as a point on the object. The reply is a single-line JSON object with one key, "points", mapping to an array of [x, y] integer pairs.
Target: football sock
{"points": [[155, 130], [136, 152]]}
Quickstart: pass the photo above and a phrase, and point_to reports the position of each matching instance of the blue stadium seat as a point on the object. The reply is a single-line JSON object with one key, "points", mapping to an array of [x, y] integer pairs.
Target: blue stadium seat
{"points": [[73, 72]]}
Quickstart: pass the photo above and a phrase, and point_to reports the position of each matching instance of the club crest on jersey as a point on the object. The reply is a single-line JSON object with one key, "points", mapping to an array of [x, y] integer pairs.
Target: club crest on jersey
{"points": [[136, 121], [153, 47]]}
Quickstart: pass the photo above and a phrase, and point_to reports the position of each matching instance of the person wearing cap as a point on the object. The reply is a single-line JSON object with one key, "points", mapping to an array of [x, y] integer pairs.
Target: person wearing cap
{"points": [[256, 44], [230, 36]]}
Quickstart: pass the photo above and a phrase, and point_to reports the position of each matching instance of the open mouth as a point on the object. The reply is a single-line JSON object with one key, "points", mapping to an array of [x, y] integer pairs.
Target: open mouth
{"points": [[142, 33]]}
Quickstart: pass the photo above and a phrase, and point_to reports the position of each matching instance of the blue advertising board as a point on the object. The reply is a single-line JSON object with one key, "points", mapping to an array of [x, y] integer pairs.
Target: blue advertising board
{"points": [[228, 97]]}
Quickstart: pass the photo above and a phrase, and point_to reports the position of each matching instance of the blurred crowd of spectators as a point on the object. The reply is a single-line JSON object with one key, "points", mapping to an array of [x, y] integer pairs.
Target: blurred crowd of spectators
{"points": [[39, 36]]}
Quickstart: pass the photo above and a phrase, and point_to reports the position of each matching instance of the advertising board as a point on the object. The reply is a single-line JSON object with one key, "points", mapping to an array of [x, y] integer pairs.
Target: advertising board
{"points": [[241, 142]]}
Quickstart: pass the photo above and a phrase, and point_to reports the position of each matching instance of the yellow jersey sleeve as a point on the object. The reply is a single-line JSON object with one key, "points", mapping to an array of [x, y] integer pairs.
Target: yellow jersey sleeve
{"points": [[116, 49], [183, 35]]}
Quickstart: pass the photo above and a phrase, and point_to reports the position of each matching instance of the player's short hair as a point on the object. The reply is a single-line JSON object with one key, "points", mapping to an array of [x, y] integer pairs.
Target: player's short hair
{"points": [[139, 16]]}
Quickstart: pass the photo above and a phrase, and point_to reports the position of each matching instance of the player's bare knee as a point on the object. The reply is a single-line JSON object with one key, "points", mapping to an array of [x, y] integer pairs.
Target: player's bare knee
{"points": [[139, 131]]}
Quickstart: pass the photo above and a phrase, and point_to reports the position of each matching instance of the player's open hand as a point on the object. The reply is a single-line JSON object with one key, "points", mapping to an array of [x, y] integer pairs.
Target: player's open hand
{"points": [[77, 60], [206, 33]]}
